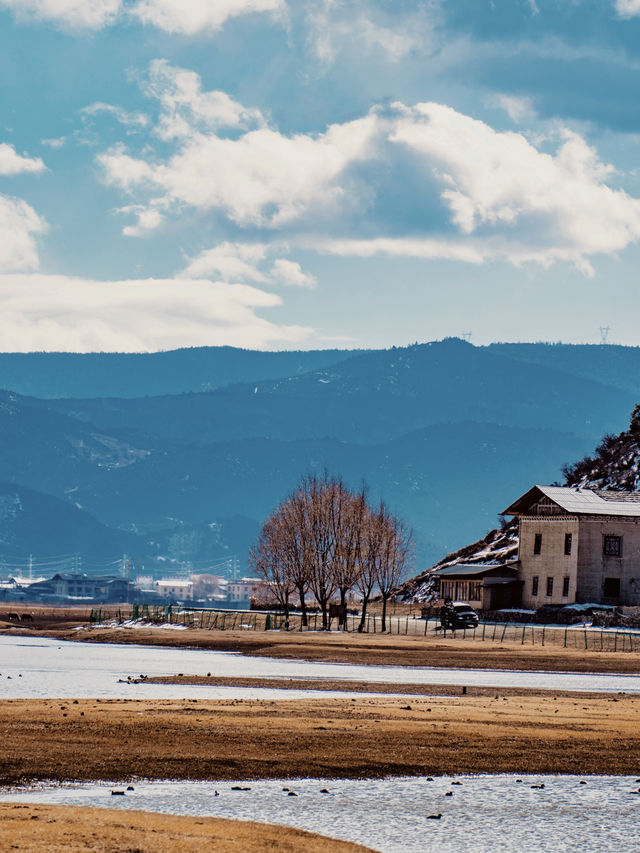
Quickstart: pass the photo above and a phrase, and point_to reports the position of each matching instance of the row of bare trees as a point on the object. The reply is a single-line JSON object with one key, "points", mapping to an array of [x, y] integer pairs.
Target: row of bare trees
{"points": [[327, 540]]}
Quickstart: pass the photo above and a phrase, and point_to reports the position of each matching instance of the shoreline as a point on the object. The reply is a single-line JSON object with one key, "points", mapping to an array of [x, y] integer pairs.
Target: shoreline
{"points": [[353, 648], [57, 829]]}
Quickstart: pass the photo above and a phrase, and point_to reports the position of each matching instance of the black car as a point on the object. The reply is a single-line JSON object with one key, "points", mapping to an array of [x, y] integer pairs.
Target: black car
{"points": [[458, 614]]}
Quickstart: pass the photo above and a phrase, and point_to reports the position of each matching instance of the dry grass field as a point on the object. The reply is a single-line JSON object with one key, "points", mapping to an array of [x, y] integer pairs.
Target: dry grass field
{"points": [[356, 737], [64, 829]]}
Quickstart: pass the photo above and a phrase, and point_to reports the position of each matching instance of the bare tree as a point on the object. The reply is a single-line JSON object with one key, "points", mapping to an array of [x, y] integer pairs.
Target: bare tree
{"points": [[349, 519], [370, 542], [295, 523], [394, 555], [321, 495], [269, 559], [324, 538]]}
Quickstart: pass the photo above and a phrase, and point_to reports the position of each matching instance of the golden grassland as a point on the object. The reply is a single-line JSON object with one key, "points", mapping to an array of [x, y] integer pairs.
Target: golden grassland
{"points": [[66, 829], [355, 737]]}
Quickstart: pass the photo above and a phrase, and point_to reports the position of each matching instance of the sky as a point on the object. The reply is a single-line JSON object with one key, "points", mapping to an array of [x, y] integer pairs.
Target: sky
{"points": [[297, 174]]}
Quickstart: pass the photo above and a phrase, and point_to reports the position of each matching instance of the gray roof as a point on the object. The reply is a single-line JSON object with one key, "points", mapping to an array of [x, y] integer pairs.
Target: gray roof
{"points": [[469, 569], [582, 501]]}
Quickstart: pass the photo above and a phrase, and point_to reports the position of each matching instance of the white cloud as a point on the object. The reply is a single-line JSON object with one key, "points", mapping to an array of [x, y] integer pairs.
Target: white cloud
{"points": [[185, 107], [260, 178], [46, 312], [76, 14], [500, 183], [230, 261], [291, 274], [54, 143], [11, 163], [248, 262], [149, 219], [628, 8], [190, 17], [468, 191], [18, 224], [131, 120], [336, 27], [519, 109]]}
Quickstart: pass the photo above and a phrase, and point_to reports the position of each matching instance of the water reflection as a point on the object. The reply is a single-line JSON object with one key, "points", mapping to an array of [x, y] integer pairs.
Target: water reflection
{"points": [[483, 813], [43, 668]]}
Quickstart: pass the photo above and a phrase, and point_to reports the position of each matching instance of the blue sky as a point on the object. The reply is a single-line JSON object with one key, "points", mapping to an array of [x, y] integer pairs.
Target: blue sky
{"points": [[279, 174]]}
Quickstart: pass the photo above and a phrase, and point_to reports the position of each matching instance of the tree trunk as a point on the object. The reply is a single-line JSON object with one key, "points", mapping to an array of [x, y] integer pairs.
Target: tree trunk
{"points": [[384, 614], [325, 614], [304, 622], [363, 615]]}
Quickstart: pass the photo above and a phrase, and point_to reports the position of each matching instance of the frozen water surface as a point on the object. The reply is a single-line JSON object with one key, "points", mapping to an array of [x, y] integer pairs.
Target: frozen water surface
{"points": [[485, 813], [37, 667]]}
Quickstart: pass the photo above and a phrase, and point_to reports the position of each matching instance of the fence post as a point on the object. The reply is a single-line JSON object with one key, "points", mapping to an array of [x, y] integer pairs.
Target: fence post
{"points": [[504, 631], [565, 636]]}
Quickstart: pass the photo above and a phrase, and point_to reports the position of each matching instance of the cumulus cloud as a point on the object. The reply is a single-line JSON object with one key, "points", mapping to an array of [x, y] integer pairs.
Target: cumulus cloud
{"points": [[46, 312], [12, 163], [19, 223], [184, 107], [76, 14], [519, 109], [262, 177], [335, 27], [231, 261], [291, 274], [628, 8], [148, 219], [423, 174], [190, 17], [248, 262]]}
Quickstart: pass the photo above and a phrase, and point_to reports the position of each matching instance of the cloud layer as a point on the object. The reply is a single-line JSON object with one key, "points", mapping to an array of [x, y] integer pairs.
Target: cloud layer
{"points": [[425, 180], [59, 313], [12, 163], [76, 14], [19, 224], [187, 17]]}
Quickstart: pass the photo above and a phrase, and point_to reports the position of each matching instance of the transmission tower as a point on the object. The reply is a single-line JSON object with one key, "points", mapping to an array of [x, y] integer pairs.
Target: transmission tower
{"points": [[604, 332]]}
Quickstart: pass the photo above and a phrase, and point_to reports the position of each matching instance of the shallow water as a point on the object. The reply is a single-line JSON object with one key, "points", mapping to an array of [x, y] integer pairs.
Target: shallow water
{"points": [[39, 667], [485, 813]]}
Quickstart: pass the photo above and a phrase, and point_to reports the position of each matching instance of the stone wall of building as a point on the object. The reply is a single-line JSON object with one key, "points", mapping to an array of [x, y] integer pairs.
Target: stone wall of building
{"points": [[551, 566], [605, 577]]}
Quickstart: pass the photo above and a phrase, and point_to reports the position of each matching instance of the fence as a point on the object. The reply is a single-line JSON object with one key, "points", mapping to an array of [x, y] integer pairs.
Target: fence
{"points": [[573, 637]]}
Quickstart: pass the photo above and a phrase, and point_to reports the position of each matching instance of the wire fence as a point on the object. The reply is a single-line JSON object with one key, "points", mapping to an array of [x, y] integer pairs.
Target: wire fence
{"points": [[571, 636]]}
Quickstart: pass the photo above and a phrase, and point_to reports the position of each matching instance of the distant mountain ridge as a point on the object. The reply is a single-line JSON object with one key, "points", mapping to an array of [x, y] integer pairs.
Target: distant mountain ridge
{"points": [[444, 432], [111, 374]]}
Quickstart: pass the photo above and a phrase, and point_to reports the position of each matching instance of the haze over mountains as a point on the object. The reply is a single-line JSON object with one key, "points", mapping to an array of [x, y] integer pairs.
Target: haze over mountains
{"points": [[446, 433]]}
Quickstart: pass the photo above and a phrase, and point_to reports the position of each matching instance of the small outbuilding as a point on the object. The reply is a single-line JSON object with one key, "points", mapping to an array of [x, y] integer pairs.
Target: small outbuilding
{"points": [[486, 586]]}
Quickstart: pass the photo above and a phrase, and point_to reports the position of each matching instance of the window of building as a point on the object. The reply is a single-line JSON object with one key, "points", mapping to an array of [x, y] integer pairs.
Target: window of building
{"points": [[612, 546], [475, 591], [611, 587], [565, 587], [568, 539], [534, 585], [537, 543], [549, 586]]}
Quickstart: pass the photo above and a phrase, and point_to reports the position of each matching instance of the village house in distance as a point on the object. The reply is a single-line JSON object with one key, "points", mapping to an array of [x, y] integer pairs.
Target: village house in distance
{"points": [[575, 545]]}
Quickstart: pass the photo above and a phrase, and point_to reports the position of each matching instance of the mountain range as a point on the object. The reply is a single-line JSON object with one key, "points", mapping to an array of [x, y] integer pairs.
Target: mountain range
{"points": [[186, 452]]}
